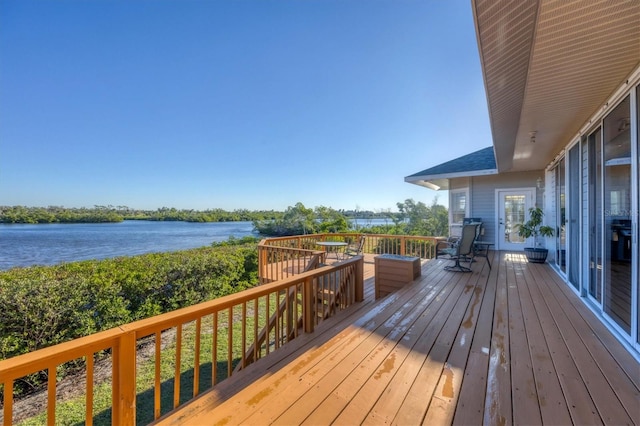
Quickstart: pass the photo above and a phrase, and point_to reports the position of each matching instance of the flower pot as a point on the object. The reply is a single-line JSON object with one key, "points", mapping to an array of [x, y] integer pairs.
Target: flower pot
{"points": [[536, 255]]}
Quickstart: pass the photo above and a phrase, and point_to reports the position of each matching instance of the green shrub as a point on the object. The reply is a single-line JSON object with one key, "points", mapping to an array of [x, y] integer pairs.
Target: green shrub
{"points": [[43, 306]]}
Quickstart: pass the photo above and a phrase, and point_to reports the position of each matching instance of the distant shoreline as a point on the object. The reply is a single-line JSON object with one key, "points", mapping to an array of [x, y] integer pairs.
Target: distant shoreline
{"points": [[111, 214]]}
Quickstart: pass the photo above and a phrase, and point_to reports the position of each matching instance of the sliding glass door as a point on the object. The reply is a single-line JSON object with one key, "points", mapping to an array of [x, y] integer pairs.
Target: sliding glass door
{"points": [[567, 214], [561, 220], [573, 216], [611, 198], [617, 192], [594, 202], [636, 277]]}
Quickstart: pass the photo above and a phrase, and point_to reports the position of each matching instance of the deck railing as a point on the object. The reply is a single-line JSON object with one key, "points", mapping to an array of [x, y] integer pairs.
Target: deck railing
{"points": [[225, 334], [306, 247], [280, 262]]}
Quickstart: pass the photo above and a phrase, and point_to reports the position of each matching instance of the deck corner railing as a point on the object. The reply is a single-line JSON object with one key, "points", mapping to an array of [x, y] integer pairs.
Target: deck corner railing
{"points": [[293, 253], [224, 335]]}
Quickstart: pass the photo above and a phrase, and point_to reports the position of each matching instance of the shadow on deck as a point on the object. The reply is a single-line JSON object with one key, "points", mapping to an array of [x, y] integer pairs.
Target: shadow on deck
{"points": [[511, 344]]}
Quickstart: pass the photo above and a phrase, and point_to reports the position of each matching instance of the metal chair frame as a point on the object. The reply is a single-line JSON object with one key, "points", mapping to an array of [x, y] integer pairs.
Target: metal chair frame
{"points": [[462, 249]]}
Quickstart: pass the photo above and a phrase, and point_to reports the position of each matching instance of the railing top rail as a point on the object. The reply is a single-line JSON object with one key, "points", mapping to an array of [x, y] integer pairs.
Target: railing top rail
{"points": [[267, 241], [41, 359], [290, 237], [289, 249], [338, 234]]}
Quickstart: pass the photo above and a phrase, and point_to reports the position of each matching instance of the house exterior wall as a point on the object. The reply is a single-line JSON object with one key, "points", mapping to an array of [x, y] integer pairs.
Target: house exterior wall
{"points": [[482, 194], [598, 201], [609, 283]]}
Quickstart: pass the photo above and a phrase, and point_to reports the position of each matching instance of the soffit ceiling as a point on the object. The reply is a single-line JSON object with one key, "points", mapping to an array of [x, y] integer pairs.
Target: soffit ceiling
{"points": [[548, 66]]}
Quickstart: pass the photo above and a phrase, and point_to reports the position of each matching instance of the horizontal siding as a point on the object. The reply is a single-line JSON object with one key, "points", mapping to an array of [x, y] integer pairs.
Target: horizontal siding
{"points": [[459, 183], [483, 190]]}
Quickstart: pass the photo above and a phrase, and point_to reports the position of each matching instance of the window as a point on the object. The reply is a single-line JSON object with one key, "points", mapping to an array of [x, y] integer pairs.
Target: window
{"points": [[458, 206]]}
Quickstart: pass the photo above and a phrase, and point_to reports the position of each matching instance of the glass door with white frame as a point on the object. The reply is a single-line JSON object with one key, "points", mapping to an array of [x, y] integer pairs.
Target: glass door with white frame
{"points": [[513, 209]]}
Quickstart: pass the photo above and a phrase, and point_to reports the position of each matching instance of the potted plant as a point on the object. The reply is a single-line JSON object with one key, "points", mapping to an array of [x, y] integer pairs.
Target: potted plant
{"points": [[534, 228]]}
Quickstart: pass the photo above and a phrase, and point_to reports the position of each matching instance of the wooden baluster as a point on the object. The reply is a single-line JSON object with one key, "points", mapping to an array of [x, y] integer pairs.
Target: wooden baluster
{"points": [[308, 305], [214, 350], [243, 335], [88, 409], [360, 280], [176, 373], [256, 346], [196, 361], [267, 316], [230, 342], [157, 378]]}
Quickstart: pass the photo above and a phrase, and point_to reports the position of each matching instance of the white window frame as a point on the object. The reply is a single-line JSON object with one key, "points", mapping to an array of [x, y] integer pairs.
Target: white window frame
{"points": [[455, 228]]}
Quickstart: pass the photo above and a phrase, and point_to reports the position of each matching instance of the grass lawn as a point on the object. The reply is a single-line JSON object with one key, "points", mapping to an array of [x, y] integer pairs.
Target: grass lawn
{"points": [[71, 411]]}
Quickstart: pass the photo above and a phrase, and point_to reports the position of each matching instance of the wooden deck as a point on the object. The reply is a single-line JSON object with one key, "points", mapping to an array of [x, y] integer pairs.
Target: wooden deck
{"points": [[507, 345]]}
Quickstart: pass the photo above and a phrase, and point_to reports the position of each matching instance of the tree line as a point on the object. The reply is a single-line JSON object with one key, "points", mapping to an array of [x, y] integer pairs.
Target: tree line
{"points": [[412, 218], [104, 214]]}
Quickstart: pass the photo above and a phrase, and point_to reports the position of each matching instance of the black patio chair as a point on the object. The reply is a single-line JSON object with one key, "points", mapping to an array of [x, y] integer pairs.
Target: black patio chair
{"points": [[462, 249]]}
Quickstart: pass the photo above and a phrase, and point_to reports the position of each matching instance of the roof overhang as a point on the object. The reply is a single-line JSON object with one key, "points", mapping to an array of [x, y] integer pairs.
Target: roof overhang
{"points": [[441, 181], [548, 66], [479, 163]]}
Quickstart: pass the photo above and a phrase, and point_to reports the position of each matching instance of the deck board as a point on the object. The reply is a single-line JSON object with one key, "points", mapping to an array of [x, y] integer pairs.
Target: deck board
{"points": [[595, 383], [355, 360], [359, 404], [550, 399], [526, 406], [593, 361], [511, 344], [386, 406], [443, 404], [497, 407]]}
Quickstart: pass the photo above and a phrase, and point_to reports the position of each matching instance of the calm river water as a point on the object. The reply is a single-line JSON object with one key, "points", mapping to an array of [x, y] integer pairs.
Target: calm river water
{"points": [[25, 245], [50, 244]]}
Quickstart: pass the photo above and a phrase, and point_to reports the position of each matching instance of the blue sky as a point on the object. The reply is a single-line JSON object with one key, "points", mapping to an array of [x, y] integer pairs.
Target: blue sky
{"points": [[254, 104]]}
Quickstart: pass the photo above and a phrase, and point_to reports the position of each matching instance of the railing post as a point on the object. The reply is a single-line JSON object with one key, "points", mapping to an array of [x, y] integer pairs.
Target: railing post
{"points": [[360, 279], [263, 252], [403, 242], [8, 402], [124, 380], [308, 305]]}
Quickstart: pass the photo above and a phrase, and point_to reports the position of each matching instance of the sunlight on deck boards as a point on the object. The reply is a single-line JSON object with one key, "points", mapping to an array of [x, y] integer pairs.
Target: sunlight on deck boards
{"points": [[511, 344]]}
